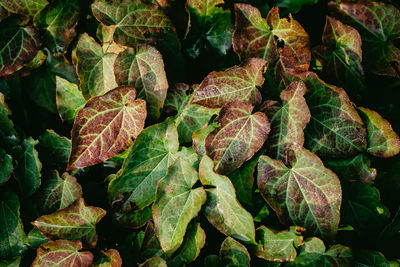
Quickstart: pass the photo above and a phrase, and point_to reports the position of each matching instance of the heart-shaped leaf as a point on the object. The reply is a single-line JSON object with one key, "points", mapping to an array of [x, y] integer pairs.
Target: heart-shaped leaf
{"points": [[232, 253], [239, 136], [306, 192], [109, 258], [105, 127], [235, 83], [69, 99], [77, 222]]}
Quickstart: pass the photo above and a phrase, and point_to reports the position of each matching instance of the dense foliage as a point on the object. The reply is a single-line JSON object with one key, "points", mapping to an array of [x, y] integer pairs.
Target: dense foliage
{"points": [[199, 133]]}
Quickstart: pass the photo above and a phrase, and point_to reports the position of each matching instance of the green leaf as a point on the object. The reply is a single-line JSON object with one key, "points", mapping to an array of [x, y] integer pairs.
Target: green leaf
{"points": [[94, 66], [134, 218], [11, 263], [105, 127], [233, 253], [135, 22], [24, 7], [281, 246], [294, 6], [222, 208], [6, 166], [81, 226], [154, 262], [209, 24], [272, 39], [189, 117], [176, 204], [366, 258], [390, 236], [19, 44], [194, 241], [6, 126], [109, 258], [35, 239], [306, 192], [12, 236], [69, 99], [239, 136], [27, 171], [62, 252], [143, 68], [150, 246], [59, 20], [150, 157], [54, 149], [235, 83], [382, 140], [59, 192], [199, 138], [288, 120]]}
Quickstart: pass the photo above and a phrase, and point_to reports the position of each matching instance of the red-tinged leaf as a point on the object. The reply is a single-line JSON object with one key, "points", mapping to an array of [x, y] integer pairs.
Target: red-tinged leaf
{"points": [[382, 140], [235, 83], [272, 39], [109, 258], [77, 222], [105, 127], [154, 262], [28, 8], [306, 192], [62, 253], [239, 136]]}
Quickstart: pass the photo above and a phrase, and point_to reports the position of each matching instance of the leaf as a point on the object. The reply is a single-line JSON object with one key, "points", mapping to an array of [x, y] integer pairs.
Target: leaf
{"points": [[69, 99], [6, 166], [222, 209], [272, 39], [199, 138], [134, 218], [176, 204], [154, 262], [94, 67], [59, 20], [280, 247], [306, 192], [58, 192], [209, 25], [12, 234], [378, 25], [143, 68], [150, 157], [150, 246], [35, 239], [382, 140], [109, 258], [77, 222], [288, 120], [239, 136], [189, 117], [62, 253], [24, 7], [6, 126], [105, 126], [341, 55], [11, 263], [372, 258], [194, 241], [294, 6], [353, 169], [135, 22], [362, 208], [54, 149], [18, 45], [235, 83], [27, 171], [233, 253]]}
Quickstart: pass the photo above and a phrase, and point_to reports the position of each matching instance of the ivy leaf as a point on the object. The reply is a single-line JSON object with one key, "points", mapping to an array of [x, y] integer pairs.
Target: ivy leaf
{"points": [[209, 24], [59, 192], [288, 119], [306, 192], [6, 126], [341, 55], [59, 19], [294, 6], [150, 246], [272, 39], [222, 209], [24, 7], [105, 127], [280, 247], [176, 204], [135, 22], [239, 136], [35, 239], [80, 226], [6, 166], [12, 236], [69, 99], [379, 25], [233, 253], [189, 117], [54, 149], [235, 83], [154, 262], [134, 218], [150, 157], [199, 138], [27, 171], [18, 45], [143, 68], [382, 140], [109, 258], [51, 253], [94, 66], [372, 258]]}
